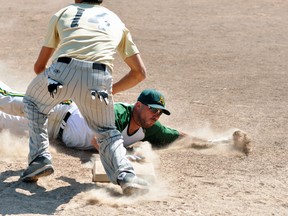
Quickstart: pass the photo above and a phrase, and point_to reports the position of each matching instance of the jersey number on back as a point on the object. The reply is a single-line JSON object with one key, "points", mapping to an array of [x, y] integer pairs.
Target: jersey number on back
{"points": [[77, 17], [101, 20]]}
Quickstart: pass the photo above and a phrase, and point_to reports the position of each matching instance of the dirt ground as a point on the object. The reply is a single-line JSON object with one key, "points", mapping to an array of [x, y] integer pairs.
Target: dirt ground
{"points": [[221, 65]]}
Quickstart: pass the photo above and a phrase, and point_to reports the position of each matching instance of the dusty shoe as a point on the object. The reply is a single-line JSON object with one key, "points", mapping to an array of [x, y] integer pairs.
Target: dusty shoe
{"points": [[242, 142], [40, 167], [132, 185]]}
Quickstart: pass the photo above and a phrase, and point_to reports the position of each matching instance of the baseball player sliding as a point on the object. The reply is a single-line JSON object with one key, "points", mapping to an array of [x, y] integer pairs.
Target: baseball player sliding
{"points": [[75, 133], [83, 38], [134, 121]]}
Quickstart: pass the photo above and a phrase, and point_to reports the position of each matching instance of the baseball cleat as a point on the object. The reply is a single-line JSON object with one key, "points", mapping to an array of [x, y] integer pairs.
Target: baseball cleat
{"points": [[133, 185], [40, 167]]}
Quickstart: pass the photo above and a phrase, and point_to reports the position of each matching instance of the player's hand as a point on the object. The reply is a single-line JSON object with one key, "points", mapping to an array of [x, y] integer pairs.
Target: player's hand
{"points": [[95, 144]]}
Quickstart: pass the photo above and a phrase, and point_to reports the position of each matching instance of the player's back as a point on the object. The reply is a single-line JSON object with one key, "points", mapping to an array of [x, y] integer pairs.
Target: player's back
{"points": [[88, 32]]}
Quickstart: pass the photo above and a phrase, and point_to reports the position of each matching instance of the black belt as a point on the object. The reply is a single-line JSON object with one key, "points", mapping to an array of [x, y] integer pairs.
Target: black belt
{"points": [[63, 125], [95, 65]]}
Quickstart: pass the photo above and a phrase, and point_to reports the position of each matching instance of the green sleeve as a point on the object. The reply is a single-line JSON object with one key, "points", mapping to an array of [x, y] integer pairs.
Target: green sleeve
{"points": [[160, 136]]}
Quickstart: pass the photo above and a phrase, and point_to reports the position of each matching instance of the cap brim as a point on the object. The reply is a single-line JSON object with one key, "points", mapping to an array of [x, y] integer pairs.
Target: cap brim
{"points": [[165, 111]]}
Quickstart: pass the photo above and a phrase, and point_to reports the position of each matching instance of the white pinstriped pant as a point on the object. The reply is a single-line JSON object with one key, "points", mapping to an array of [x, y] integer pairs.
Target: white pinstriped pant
{"points": [[78, 79]]}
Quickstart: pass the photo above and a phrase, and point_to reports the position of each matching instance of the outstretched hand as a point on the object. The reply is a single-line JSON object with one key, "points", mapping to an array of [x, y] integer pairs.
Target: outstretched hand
{"points": [[95, 144]]}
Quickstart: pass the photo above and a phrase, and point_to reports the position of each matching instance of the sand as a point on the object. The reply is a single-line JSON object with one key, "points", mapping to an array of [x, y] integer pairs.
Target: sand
{"points": [[222, 65]]}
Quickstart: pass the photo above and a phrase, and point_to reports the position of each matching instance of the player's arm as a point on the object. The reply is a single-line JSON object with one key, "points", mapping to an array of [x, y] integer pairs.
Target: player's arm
{"points": [[182, 135], [43, 57], [161, 136], [136, 74]]}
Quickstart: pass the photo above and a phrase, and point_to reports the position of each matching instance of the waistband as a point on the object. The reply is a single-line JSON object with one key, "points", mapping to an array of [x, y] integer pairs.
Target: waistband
{"points": [[95, 65]]}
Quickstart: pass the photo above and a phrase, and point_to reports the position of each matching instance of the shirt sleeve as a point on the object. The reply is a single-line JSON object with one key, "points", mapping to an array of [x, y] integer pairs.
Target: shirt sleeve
{"points": [[160, 136], [52, 38], [127, 47]]}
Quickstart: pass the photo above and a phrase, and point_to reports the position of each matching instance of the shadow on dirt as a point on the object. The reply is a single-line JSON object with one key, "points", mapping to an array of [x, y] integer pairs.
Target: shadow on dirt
{"points": [[31, 198]]}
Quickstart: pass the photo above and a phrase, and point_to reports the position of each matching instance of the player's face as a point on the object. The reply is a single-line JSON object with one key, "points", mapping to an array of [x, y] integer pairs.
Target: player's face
{"points": [[148, 116]]}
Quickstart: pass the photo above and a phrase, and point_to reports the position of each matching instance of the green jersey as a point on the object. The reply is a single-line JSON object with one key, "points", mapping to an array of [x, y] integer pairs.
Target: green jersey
{"points": [[158, 135]]}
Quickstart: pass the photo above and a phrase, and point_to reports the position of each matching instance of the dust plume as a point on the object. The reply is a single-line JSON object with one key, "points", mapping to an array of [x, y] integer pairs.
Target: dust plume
{"points": [[110, 194], [210, 142], [145, 151], [13, 80], [13, 147]]}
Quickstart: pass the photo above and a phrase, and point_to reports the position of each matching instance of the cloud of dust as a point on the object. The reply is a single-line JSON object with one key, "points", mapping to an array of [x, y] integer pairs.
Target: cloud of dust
{"points": [[208, 141], [13, 79], [144, 150], [110, 194], [13, 147], [3, 72], [2, 67], [209, 133], [201, 141]]}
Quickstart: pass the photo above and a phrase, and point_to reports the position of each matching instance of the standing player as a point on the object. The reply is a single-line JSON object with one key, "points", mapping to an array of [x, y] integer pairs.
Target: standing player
{"points": [[84, 36]]}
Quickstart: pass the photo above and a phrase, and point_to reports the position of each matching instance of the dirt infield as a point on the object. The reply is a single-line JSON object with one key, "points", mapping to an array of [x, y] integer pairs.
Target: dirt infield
{"points": [[222, 65]]}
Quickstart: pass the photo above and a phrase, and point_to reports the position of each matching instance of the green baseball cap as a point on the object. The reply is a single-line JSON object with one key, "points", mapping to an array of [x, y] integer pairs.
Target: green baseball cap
{"points": [[153, 98]]}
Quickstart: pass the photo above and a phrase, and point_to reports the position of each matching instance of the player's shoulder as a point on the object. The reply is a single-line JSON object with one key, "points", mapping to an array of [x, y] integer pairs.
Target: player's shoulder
{"points": [[71, 8], [123, 106], [123, 109], [113, 17], [61, 11]]}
